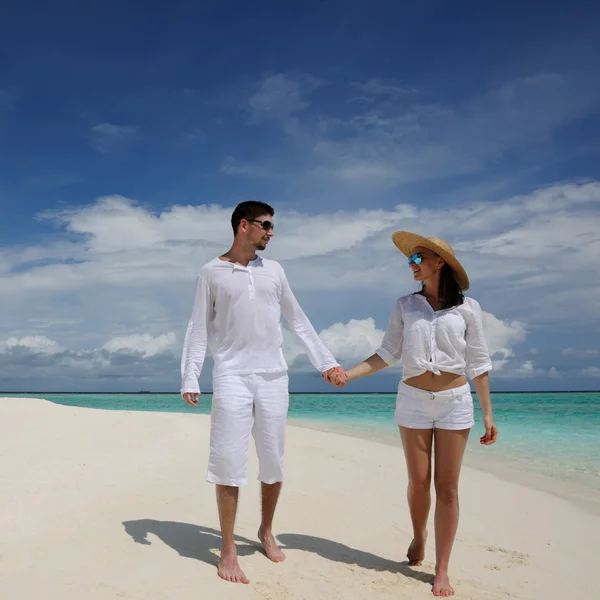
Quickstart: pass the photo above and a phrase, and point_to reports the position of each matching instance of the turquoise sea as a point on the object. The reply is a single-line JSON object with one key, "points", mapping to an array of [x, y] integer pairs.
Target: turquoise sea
{"points": [[555, 436]]}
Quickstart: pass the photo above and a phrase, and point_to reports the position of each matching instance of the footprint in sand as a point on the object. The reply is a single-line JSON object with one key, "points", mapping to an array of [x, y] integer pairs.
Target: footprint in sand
{"points": [[511, 558], [272, 590]]}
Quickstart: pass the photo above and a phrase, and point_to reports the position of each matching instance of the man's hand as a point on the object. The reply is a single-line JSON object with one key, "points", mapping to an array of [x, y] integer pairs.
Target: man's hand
{"points": [[191, 398], [336, 376]]}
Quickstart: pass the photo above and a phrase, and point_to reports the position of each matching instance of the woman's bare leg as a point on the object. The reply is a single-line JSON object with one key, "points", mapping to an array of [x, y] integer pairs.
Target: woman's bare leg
{"points": [[449, 451], [417, 451]]}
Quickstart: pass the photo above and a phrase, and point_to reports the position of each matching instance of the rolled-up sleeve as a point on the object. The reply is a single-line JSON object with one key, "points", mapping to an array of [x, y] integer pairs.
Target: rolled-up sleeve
{"points": [[320, 357], [195, 342], [478, 359], [390, 350]]}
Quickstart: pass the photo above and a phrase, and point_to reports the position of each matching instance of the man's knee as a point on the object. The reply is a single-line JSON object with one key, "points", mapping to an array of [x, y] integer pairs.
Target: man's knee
{"points": [[270, 469], [227, 492], [228, 466], [270, 463]]}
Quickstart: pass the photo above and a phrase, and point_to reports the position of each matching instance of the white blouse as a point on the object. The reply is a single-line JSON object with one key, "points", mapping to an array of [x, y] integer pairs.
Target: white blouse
{"points": [[237, 316], [450, 340]]}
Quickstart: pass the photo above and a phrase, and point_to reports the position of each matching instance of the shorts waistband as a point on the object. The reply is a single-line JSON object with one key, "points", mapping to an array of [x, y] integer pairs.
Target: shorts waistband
{"points": [[443, 395]]}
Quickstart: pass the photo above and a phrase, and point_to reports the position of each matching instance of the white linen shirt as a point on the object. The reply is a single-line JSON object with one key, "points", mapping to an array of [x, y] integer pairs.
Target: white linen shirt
{"points": [[450, 340], [237, 316]]}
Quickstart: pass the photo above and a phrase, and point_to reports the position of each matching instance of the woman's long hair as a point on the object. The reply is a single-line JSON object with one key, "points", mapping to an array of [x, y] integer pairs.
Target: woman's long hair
{"points": [[449, 293]]}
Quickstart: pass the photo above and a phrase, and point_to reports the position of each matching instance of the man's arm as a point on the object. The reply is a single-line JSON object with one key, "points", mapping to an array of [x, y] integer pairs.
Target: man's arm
{"points": [[195, 342], [318, 354]]}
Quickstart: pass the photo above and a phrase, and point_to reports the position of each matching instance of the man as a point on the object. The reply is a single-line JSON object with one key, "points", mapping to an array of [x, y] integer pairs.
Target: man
{"points": [[239, 300]]}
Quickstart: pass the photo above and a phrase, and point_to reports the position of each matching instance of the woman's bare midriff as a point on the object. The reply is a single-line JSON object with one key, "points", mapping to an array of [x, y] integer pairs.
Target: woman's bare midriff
{"points": [[436, 383]]}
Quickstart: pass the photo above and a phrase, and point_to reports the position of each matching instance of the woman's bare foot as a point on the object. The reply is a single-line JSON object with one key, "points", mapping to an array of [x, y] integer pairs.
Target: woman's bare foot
{"points": [[272, 550], [416, 551], [229, 568], [441, 586]]}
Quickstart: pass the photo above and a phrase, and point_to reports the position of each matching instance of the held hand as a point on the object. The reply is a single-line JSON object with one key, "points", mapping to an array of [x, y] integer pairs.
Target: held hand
{"points": [[491, 432], [327, 376], [336, 376], [191, 398]]}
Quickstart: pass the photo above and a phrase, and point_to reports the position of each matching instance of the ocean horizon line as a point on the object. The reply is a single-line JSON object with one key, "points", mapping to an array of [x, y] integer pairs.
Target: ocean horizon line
{"points": [[149, 392]]}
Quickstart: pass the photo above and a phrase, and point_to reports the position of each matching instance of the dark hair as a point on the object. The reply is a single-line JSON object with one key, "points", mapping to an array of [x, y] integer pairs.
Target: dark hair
{"points": [[449, 293], [251, 209]]}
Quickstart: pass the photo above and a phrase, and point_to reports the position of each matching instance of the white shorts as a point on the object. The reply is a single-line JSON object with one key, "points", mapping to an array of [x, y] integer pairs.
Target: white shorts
{"points": [[241, 404], [449, 409]]}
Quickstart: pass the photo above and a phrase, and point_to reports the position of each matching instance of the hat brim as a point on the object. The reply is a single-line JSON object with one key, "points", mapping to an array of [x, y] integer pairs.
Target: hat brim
{"points": [[406, 242]]}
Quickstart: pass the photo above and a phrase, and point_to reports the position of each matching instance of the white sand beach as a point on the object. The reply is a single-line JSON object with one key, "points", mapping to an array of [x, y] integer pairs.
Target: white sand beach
{"points": [[106, 505]]}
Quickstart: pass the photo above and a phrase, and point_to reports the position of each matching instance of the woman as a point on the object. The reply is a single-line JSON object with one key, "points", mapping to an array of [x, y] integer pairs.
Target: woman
{"points": [[438, 335]]}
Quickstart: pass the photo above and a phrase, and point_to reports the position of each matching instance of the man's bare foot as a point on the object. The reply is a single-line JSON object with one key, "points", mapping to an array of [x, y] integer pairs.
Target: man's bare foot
{"points": [[441, 586], [229, 568], [272, 550], [416, 551]]}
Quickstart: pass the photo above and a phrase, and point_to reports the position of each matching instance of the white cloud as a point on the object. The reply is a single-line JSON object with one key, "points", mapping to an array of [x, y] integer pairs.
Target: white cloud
{"points": [[374, 89], [278, 97], [36, 344], [514, 247], [526, 369], [554, 373], [349, 342], [117, 268], [131, 359], [107, 137], [520, 369], [143, 343], [396, 138], [116, 223], [118, 244], [587, 352], [591, 372], [501, 336]]}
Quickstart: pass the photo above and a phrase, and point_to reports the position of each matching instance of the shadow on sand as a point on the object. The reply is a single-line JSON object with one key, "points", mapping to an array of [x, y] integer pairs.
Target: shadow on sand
{"points": [[203, 544], [190, 541]]}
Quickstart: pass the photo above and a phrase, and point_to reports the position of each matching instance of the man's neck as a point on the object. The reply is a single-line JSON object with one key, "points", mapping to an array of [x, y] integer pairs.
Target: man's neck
{"points": [[240, 255]]}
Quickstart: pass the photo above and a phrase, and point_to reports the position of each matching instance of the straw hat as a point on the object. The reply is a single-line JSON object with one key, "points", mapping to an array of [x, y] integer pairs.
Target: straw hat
{"points": [[406, 242]]}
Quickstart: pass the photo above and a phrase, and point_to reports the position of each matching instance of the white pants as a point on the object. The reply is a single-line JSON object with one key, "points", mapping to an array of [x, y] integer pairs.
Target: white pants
{"points": [[241, 404], [449, 409]]}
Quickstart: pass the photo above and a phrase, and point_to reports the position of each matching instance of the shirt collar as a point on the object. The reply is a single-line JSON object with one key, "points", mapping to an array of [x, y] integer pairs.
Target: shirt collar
{"points": [[257, 262]]}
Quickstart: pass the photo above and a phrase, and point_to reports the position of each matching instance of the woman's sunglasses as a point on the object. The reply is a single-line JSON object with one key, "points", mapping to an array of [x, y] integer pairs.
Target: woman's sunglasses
{"points": [[266, 225], [415, 258]]}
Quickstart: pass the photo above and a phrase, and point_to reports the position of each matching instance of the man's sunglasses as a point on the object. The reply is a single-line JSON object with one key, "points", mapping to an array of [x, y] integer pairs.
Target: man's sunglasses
{"points": [[415, 258], [266, 225]]}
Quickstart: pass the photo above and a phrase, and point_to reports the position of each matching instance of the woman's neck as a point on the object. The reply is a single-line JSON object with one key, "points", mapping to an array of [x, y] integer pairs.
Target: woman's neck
{"points": [[431, 291]]}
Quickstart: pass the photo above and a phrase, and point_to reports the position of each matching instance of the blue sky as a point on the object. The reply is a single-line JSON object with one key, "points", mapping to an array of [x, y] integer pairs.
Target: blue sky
{"points": [[128, 131]]}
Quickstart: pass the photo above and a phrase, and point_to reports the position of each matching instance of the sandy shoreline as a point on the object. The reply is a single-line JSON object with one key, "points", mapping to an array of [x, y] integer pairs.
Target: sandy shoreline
{"points": [[101, 504], [582, 492]]}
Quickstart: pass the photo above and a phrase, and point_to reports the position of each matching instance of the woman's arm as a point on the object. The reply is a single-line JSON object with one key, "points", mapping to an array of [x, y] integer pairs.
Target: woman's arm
{"points": [[482, 387], [479, 365], [367, 367], [390, 351], [388, 354]]}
